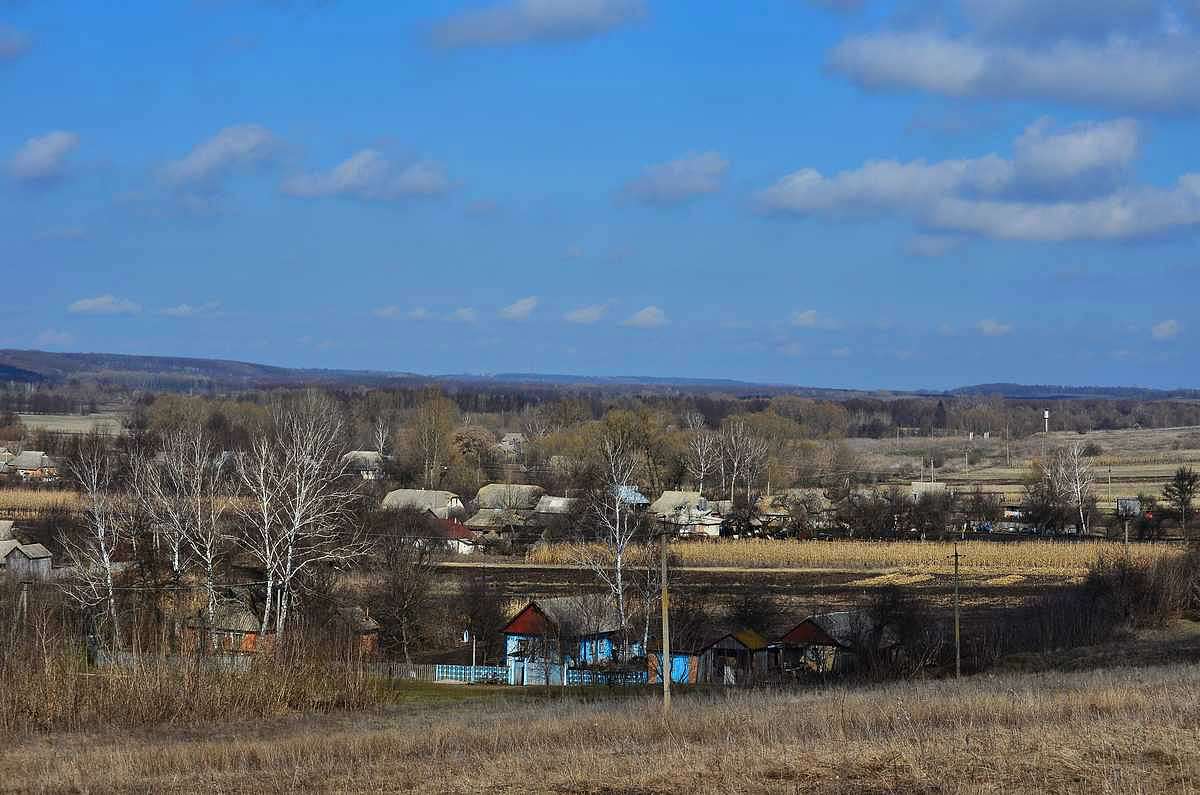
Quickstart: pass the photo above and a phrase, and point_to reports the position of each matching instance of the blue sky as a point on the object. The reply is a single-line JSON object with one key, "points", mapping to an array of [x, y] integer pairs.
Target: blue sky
{"points": [[835, 193]]}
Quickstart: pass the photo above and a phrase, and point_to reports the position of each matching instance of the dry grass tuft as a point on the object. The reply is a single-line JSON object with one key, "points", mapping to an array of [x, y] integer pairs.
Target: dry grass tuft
{"points": [[1115, 731]]}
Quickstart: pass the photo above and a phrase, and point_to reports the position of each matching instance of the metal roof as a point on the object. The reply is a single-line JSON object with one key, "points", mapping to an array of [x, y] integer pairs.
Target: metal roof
{"points": [[516, 496]]}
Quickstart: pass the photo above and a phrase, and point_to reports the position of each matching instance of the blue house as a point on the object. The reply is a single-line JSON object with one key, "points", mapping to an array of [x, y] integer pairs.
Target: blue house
{"points": [[576, 637]]}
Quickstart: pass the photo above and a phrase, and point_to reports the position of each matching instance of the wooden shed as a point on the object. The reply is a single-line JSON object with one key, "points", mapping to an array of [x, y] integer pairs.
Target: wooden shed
{"points": [[25, 561], [362, 628], [734, 658], [827, 643]]}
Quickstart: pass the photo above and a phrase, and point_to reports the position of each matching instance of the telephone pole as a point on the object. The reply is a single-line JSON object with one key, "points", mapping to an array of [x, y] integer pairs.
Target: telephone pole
{"points": [[665, 668], [957, 624]]}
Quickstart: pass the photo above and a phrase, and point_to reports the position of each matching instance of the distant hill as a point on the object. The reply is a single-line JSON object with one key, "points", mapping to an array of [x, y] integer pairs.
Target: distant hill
{"points": [[1060, 392], [181, 373]]}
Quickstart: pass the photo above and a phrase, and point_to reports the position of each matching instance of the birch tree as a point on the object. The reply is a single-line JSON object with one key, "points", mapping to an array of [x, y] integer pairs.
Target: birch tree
{"points": [[1073, 478], [616, 524], [734, 450], [704, 451], [433, 424], [106, 524]]}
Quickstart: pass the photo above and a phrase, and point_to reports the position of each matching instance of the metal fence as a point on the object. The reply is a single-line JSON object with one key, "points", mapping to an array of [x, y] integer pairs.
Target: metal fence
{"points": [[432, 672]]}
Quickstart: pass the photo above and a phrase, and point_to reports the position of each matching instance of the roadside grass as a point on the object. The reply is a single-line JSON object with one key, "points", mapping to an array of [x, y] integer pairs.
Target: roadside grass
{"points": [[912, 557], [1108, 731]]}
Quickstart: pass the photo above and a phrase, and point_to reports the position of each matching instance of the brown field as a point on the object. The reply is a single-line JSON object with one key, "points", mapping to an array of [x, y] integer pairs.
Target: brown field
{"points": [[916, 557], [38, 499], [1107, 731]]}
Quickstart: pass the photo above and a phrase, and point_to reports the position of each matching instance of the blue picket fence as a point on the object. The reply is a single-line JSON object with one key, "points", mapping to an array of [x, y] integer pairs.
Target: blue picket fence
{"points": [[462, 673], [587, 678]]}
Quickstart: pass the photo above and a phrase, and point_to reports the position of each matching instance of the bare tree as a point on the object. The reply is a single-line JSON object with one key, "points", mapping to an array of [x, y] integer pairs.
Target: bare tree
{"points": [[755, 452], [1073, 478], [616, 525], [704, 450], [735, 449], [106, 523], [299, 515], [433, 424], [381, 431]]}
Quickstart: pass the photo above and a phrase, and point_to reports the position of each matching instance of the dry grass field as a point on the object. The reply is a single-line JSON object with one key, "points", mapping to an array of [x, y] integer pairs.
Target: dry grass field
{"points": [[108, 424], [915, 557], [18, 499], [1107, 731]]}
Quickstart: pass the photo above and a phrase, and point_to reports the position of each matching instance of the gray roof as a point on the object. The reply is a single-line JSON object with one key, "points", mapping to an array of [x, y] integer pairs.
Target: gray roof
{"points": [[428, 499], [6, 529], [509, 495], [672, 502], [231, 616], [849, 628], [31, 551], [363, 460], [31, 459], [549, 504], [498, 518], [586, 614]]}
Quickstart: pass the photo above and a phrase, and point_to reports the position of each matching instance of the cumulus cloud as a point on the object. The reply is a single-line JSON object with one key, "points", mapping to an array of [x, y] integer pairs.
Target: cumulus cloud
{"points": [[679, 180], [1039, 20], [586, 314], [1160, 74], [993, 328], [233, 148], [13, 43], [1165, 330], [1068, 184], [370, 176], [520, 309], [42, 158], [464, 314], [530, 21], [190, 310], [649, 317], [106, 304]]}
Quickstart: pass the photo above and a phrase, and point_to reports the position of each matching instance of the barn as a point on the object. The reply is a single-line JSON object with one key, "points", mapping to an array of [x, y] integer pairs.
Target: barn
{"points": [[826, 643], [25, 561]]}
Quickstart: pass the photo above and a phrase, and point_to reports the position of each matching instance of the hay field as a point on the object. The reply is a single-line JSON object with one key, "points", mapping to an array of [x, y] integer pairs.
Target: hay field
{"points": [[915, 557], [1109, 731], [19, 499], [107, 424]]}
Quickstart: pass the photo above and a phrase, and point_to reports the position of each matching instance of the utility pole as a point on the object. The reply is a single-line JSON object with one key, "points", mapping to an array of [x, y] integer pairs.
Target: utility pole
{"points": [[957, 623], [665, 668]]}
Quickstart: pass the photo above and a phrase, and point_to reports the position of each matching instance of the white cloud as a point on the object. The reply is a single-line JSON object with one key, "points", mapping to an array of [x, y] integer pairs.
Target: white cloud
{"points": [[1158, 74], [840, 353], [806, 319], [13, 43], [586, 314], [522, 21], [679, 180], [189, 310], [418, 313], [106, 304], [1080, 19], [232, 148], [993, 328], [52, 338], [649, 317], [520, 309], [369, 175], [931, 245], [387, 311], [1165, 330], [41, 159], [1060, 185], [463, 314]]}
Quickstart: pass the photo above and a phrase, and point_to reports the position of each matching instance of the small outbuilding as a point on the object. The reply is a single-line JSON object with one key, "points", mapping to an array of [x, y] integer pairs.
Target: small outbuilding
{"points": [[25, 561], [734, 658]]}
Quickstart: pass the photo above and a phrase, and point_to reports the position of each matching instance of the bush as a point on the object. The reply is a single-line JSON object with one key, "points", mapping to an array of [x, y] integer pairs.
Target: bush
{"points": [[1092, 450]]}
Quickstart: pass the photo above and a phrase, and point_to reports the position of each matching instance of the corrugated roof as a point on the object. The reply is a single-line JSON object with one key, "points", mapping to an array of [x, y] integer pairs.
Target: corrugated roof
{"points": [[491, 518], [587, 614], [34, 551], [746, 637], [363, 459], [428, 499], [672, 502], [31, 459]]}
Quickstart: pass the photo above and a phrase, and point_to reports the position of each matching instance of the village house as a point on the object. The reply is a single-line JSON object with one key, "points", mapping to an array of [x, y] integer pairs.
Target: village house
{"points": [[451, 535], [361, 628], [33, 466], [24, 561], [507, 509], [366, 464], [573, 638], [688, 513], [440, 503], [235, 629]]}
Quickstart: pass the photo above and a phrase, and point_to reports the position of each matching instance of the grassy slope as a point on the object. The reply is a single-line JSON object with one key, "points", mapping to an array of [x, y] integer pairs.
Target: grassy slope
{"points": [[1117, 730]]}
